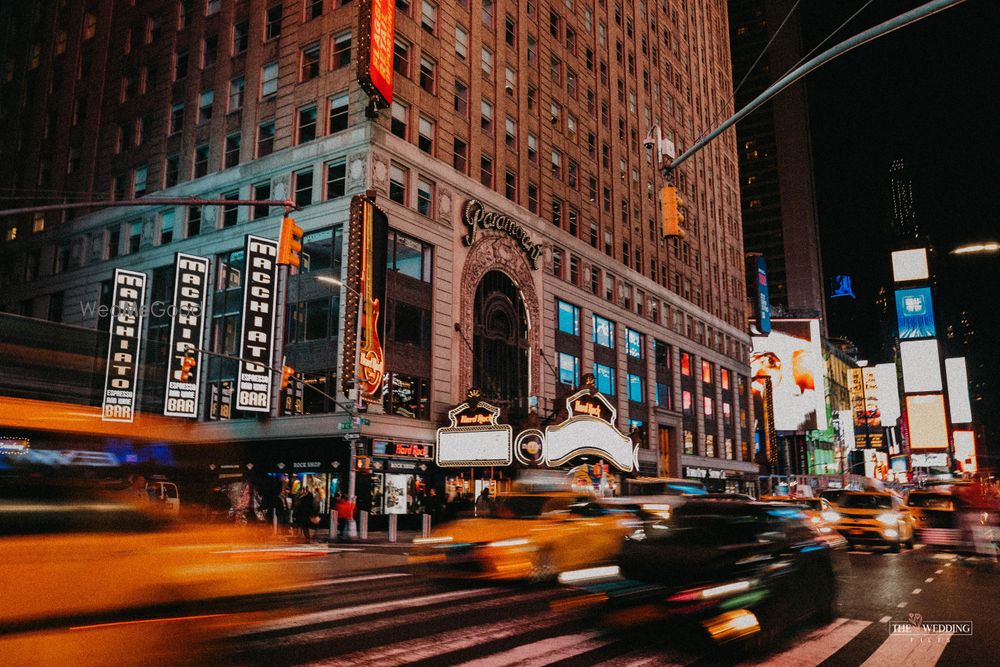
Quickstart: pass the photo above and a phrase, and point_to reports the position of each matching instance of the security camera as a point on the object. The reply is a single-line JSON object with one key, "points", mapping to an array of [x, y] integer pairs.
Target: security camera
{"points": [[648, 142]]}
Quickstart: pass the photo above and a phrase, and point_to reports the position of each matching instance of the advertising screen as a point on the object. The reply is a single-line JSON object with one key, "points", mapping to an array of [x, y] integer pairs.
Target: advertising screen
{"points": [[876, 464], [925, 416], [791, 356], [915, 313], [965, 450], [921, 365], [888, 393], [909, 265], [959, 407]]}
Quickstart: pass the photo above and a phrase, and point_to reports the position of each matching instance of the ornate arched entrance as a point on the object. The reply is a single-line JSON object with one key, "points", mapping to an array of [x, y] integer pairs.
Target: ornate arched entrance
{"points": [[500, 341]]}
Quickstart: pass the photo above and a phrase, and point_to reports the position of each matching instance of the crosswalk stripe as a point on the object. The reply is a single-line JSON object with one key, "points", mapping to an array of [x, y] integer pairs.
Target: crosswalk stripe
{"points": [[434, 646], [817, 646], [908, 650], [360, 610], [545, 651]]}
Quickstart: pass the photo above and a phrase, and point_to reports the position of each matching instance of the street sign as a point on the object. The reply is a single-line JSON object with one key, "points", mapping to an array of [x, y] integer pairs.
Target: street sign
{"points": [[345, 425], [359, 421], [352, 436]]}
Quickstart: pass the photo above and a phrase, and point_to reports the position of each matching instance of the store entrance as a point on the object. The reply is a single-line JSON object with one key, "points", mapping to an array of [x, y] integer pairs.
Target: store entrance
{"points": [[500, 342]]}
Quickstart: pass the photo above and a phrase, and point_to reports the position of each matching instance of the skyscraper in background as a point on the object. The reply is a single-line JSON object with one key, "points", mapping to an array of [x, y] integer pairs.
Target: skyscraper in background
{"points": [[776, 169], [904, 216]]}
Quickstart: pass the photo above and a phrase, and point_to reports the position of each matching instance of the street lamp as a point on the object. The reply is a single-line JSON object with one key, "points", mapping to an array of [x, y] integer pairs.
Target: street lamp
{"points": [[977, 248]]}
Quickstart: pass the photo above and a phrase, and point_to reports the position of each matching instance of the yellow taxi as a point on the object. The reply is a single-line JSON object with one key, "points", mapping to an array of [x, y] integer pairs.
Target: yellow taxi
{"points": [[874, 517], [532, 536], [819, 512]]}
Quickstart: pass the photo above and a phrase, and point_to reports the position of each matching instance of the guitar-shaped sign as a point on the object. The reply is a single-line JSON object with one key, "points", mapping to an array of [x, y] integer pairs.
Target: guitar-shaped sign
{"points": [[371, 357]]}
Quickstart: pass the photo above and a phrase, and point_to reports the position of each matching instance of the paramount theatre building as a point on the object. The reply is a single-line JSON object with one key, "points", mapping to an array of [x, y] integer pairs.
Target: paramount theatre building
{"points": [[517, 251]]}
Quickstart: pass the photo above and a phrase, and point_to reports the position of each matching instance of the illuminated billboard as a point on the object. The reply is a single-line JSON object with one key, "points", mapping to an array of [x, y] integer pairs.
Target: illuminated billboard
{"points": [[925, 417], [791, 356], [910, 265], [867, 415], [959, 407], [888, 393], [921, 366], [876, 465], [915, 313], [376, 36], [965, 450]]}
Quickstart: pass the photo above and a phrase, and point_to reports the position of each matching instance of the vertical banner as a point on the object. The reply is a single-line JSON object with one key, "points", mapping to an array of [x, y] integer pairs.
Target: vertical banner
{"points": [[124, 338], [187, 331], [260, 292], [371, 357], [376, 37]]}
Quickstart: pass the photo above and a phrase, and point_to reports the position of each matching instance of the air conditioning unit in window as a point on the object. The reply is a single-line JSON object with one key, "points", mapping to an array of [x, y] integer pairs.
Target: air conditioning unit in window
{"points": [[509, 88], [554, 119]]}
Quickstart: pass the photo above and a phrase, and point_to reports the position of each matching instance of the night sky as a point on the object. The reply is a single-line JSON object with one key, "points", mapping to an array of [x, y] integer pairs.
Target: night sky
{"points": [[924, 93]]}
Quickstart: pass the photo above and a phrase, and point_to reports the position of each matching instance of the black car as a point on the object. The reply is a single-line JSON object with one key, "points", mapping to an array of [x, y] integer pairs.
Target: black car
{"points": [[734, 570]]}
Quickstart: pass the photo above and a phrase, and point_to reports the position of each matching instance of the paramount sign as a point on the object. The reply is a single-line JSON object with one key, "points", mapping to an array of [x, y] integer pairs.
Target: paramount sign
{"points": [[476, 217]]}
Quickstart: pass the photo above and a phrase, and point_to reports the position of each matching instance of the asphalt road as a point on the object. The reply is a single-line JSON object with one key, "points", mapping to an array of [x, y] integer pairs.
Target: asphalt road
{"points": [[366, 607]]}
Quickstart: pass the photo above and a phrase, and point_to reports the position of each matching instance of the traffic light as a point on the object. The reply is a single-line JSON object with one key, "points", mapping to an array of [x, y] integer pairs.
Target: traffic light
{"points": [[187, 365], [673, 212], [286, 373], [290, 243]]}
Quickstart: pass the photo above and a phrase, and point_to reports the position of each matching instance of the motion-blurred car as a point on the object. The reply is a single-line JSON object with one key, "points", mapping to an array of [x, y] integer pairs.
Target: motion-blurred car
{"points": [[831, 495], [874, 517], [935, 517], [818, 511], [88, 579], [732, 570], [527, 536], [959, 517]]}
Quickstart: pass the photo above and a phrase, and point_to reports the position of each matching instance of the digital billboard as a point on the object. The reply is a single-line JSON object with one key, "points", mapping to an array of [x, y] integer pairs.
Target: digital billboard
{"points": [[910, 265], [792, 357], [965, 450], [888, 393], [959, 407], [876, 464], [928, 428], [915, 313], [760, 296], [867, 415], [921, 366]]}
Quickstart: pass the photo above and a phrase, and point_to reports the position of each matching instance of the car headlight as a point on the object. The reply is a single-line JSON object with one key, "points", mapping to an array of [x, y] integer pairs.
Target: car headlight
{"points": [[830, 516], [516, 542], [888, 518], [433, 540]]}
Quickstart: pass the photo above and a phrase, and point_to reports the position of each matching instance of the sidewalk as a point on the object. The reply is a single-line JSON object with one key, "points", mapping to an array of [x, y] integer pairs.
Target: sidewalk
{"points": [[404, 538]]}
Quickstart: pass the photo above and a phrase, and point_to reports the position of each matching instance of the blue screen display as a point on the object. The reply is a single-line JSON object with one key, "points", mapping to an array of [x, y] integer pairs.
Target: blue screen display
{"points": [[915, 313]]}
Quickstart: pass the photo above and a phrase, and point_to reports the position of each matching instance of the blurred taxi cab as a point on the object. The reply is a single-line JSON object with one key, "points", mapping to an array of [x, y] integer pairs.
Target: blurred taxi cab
{"points": [[84, 577], [819, 512], [527, 536], [874, 517], [935, 517]]}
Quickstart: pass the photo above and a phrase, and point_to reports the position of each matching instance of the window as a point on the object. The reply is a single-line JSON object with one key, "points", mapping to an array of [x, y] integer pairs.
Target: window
{"points": [[212, 7], [709, 406], [488, 13], [510, 133], [230, 212], [633, 343], [487, 63], [556, 164], [486, 116], [205, 101], [663, 395], [269, 79], [342, 50], [134, 237], [407, 396], [314, 9], [232, 156], [409, 257], [272, 23], [307, 124], [604, 332], [397, 184], [635, 393], [706, 372], [209, 51], [556, 212], [461, 42], [338, 112], [605, 377], [166, 227], [336, 178], [428, 17], [685, 364], [460, 156], [200, 160], [532, 147], [486, 170], [510, 81], [309, 62], [399, 113], [724, 377], [321, 250], [303, 187], [569, 318], [401, 57], [428, 74], [241, 37], [533, 198], [569, 369], [171, 171], [403, 6], [510, 185], [193, 221], [510, 31], [265, 138], [236, 87], [261, 191], [461, 99], [89, 26], [425, 135], [425, 197]]}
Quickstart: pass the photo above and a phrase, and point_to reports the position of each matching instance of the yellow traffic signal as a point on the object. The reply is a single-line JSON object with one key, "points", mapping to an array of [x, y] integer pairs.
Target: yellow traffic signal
{"points": [[187, 365], [286, 373], [290, 243], [673, 212]]}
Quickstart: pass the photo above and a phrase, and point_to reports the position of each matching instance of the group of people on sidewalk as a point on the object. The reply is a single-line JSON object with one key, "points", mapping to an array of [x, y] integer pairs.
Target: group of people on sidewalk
{"points": [[306, 518]]}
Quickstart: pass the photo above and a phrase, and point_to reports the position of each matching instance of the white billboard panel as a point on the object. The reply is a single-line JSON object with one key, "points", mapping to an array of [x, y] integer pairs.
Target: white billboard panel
{"points": [[926, 419], [793, 358], [910, 265], [965, 450], [921, 365], [959, 406], [888, 393]]}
